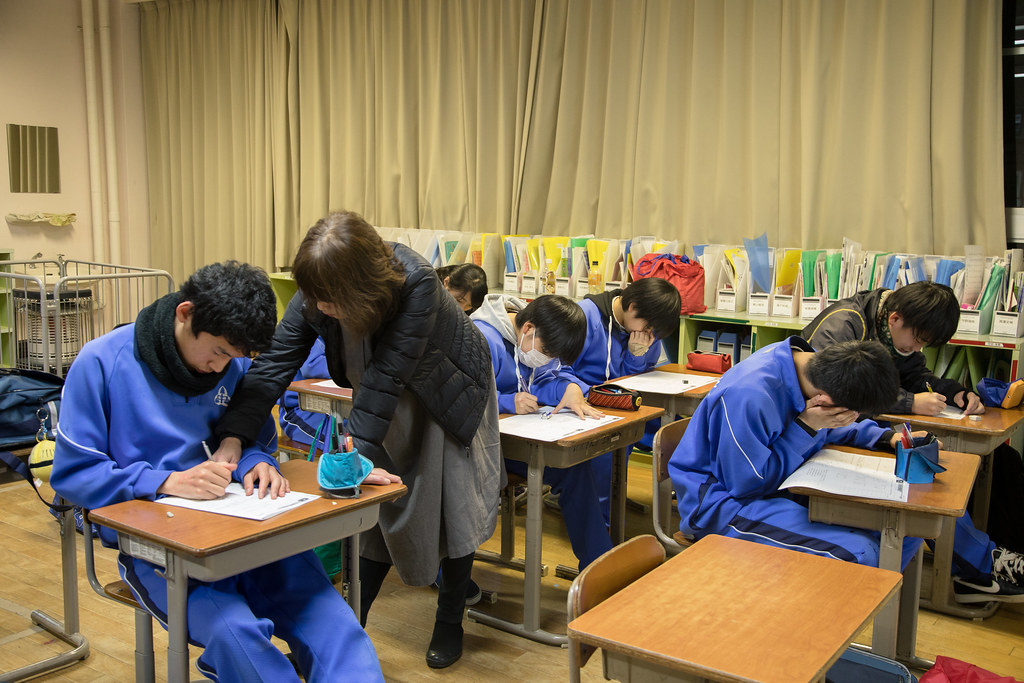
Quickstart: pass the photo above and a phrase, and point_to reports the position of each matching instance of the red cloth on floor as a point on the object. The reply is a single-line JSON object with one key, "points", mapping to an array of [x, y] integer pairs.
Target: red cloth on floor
{"points": [[949, 670]]}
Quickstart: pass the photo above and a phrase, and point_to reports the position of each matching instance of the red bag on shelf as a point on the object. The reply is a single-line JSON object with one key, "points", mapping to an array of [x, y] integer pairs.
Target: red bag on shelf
{"points": [[686, 275]]}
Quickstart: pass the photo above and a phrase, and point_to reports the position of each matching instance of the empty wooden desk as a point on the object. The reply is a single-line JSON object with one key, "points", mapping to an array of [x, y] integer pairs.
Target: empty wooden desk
{"points": [[210, 547], [731, 610], [923, 515], [980, 437], [615, 437]]}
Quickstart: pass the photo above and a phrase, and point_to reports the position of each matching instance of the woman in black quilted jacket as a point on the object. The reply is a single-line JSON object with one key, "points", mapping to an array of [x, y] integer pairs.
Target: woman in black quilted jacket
{"points": [[424, 405]]}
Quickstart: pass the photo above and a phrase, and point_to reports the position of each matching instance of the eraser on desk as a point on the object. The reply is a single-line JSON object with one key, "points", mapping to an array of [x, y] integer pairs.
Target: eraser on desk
{"points": [[974, 418]]}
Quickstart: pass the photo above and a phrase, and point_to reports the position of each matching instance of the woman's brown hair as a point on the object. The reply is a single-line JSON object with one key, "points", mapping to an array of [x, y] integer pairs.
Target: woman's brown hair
{"points": [[344, 262]]}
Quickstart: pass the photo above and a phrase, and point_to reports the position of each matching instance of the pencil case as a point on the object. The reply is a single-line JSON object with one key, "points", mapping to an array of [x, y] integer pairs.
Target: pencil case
{"points": [[920, 463], [996, 393], [340, 474], [708, 362], [614, 396]]}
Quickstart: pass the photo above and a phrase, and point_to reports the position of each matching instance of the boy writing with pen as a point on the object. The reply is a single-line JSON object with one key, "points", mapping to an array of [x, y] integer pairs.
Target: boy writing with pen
{"points": [[140, 403], [530, 346], [904, 321]]}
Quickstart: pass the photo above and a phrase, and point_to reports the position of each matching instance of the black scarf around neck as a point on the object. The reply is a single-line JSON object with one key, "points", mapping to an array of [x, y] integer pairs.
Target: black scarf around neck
{"points": [[154, 342]]}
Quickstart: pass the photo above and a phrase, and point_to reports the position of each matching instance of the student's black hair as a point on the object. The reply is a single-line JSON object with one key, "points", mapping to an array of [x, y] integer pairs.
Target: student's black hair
{"points": [[466, 277], [928, 308], [235, 301], [655, 300], [858, 375], [561, 325]]}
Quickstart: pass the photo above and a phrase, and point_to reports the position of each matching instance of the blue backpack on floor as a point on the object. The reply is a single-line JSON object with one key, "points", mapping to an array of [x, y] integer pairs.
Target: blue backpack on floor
{"points": [[29, 405]]}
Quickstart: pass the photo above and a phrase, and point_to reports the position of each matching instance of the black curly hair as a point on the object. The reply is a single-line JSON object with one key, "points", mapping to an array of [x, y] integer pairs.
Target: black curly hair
{"points": [[233, 300]]}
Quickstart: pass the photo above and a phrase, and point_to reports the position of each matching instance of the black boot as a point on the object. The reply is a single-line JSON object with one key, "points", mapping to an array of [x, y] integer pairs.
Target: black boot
{"points": [[371, 577], [445, 645], [446, 642]]}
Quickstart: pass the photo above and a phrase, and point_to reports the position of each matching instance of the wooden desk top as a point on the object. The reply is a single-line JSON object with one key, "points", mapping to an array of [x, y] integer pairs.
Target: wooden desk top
{"points": [[734, 610], [946, 496], [994, 421], [306, 386], [629, 417], [199, 534]]}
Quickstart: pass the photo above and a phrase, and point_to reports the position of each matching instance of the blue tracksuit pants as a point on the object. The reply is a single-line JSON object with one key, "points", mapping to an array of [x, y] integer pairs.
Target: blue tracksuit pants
{"points": [[577, 495], [783, 522], [233, 620]]}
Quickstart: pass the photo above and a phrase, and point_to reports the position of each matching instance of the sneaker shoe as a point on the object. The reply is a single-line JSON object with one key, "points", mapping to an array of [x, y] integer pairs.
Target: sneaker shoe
{"points": [[551, 501], [1008, 566], [473, 591], [982, 589]]}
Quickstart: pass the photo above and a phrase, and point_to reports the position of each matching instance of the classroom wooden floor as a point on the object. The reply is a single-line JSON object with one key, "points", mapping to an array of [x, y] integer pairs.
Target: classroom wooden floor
{"points": [[400, 621]]}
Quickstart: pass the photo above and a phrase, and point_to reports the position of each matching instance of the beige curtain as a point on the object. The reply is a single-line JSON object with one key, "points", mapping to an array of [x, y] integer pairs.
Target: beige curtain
{"points": [[695, 120], [808, 121], [212, 73]]}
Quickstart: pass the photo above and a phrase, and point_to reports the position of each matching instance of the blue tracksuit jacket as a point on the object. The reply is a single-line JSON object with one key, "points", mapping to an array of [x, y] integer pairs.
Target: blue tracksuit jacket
{"points": [[121, 434]]}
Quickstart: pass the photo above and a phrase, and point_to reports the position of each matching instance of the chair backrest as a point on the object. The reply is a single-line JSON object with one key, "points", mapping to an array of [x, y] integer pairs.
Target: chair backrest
{"points": [[665, 441], [605, 576]]}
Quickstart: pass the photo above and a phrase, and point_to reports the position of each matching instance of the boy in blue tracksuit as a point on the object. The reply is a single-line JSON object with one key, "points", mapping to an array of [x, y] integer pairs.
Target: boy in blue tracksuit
{"points": [[904, 321], [624, 332], [528, 343], [138, 404], [764, 419]]}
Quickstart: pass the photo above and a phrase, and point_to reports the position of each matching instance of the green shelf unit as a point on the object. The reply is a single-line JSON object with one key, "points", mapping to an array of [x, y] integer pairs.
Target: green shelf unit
{"points": [[987, 355]]}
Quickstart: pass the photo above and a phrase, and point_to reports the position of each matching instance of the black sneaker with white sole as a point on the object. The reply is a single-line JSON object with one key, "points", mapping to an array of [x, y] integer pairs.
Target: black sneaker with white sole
{"points": [[1005, 584], [1008, 566]]}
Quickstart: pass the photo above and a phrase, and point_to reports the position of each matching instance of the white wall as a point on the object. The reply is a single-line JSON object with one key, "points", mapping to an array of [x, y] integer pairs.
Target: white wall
{"points": [[42, 83]]}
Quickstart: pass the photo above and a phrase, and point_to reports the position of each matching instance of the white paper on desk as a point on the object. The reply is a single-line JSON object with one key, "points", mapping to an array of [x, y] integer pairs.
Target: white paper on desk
{"points": [[849, 474], [952, 413], [327, 383], [559, 426], [234, 502], [661, 382]]}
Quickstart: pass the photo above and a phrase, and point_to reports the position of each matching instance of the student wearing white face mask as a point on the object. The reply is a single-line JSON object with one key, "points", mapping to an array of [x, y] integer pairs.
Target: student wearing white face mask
{"points": [[532, 346]]}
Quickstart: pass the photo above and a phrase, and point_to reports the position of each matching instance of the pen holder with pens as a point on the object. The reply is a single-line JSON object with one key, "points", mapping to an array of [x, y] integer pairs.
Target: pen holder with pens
{"points": [[341, 469], [920, 463]]}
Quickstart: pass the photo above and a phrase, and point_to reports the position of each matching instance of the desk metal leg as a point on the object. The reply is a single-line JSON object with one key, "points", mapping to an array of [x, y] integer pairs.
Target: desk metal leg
{"points": [[530, 628], [883, 634], [68, 631], [894, 634], [618, 496], [177, 619], [982, 493], [941, 597], [350, 571]]}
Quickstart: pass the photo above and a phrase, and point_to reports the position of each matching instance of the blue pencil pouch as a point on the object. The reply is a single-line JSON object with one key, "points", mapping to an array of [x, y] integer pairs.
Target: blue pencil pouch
{"points": [[340, 474], [920, 463]]}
